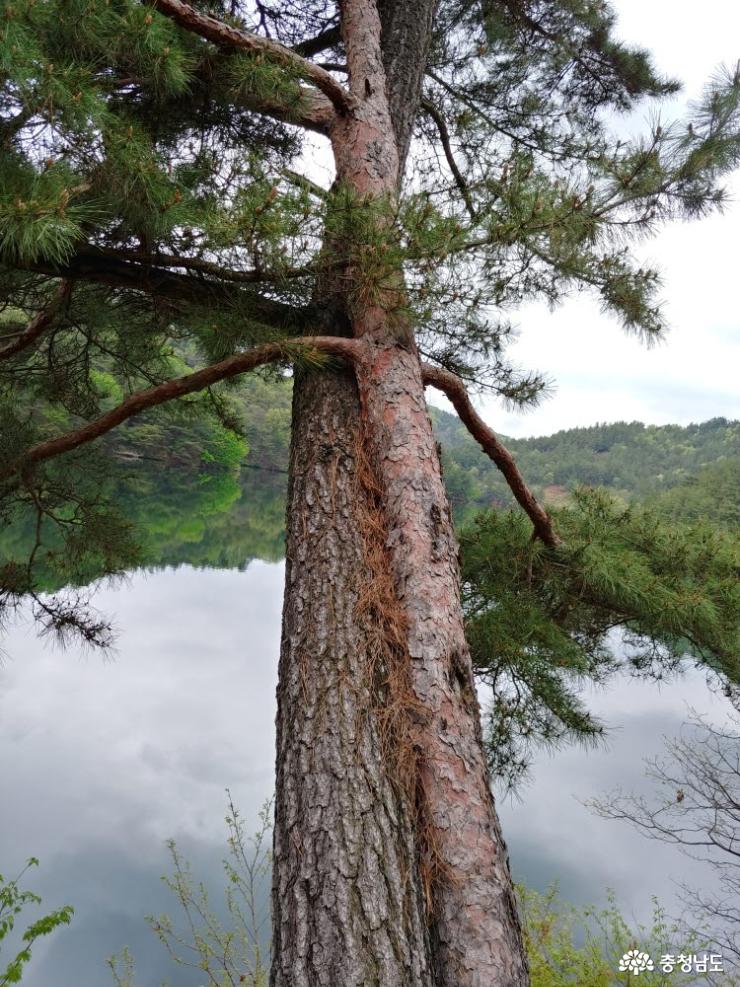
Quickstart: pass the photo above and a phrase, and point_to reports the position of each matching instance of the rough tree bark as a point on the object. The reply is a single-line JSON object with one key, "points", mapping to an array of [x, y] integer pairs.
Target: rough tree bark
{"points": [[348, 907], [440, 830]]}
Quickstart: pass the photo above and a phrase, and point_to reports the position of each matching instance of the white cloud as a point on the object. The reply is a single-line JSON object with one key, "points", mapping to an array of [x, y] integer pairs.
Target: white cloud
{"points": [[603, 374], [600, 373], [687, 42]]}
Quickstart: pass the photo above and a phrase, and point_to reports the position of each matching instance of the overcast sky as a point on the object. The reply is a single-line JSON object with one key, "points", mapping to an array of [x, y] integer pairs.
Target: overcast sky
{"points": [[600, 373]]}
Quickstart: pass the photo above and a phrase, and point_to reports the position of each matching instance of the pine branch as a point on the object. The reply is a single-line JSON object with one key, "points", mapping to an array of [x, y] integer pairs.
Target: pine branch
{"points": [[431, 110], [302, 182], [252, 276], [286, 350], [314, 46], [334, 67], [518, 11], [10, 126], [38, 325], [311, 111], [90, 264], [475, 108], [226, 36], [453, 387]]}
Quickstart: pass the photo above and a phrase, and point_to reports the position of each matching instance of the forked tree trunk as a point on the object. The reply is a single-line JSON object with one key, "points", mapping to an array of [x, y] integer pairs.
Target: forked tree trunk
{"points": [[349, 868], [383, 789]]}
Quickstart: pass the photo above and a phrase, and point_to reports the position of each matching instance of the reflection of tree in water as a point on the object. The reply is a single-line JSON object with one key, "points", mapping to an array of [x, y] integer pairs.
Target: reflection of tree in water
{"points": [[168, 495], [215, 520], [229, 510], [225, 523]]}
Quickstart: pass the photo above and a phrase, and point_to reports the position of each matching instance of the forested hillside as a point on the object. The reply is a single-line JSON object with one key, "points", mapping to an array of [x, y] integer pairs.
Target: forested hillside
{"points": [[633, 460], [714, 492], [235, 510]]}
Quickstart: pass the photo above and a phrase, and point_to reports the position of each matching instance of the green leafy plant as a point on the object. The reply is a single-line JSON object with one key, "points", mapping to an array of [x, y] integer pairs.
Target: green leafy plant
{"points": [[583, 947], [567, 946], [231, 953], [13, 901]]}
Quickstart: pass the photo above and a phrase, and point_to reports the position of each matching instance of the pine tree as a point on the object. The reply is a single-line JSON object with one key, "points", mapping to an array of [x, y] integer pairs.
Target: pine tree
{"points": [[152, 192]]}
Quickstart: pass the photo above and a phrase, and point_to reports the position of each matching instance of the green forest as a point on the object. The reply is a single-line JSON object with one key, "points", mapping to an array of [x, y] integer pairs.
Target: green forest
{"points": [[632, 460], [220, 501]]}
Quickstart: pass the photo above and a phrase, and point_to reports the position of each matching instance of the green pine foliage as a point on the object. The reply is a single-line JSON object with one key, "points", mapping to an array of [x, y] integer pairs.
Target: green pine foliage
{"points": [[541, 622]]}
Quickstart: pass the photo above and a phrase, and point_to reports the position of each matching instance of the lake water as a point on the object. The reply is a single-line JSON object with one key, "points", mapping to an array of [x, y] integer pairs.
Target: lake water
{"points": [[103, 759]]}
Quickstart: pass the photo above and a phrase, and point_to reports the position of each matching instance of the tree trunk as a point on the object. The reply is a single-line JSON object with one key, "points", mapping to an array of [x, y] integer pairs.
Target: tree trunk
{"points": [[347, 903], [390, 865]]}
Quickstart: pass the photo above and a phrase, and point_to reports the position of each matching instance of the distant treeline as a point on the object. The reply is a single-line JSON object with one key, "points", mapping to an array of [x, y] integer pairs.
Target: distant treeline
{"points": [[690, 471], [213, 472], [632, 460]]}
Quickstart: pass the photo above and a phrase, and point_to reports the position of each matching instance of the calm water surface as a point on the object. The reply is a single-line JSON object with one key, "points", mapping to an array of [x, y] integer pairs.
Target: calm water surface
{"points": [[102, 760]]}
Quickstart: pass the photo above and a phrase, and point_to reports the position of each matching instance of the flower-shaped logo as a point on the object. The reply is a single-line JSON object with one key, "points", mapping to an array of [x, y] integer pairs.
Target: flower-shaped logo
{"points": [[635, 962]]}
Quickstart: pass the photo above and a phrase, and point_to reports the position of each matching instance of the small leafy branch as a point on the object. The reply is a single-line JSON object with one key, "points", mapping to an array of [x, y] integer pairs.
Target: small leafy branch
{"points": [[229, 955], [13, 900], [583, 947]]}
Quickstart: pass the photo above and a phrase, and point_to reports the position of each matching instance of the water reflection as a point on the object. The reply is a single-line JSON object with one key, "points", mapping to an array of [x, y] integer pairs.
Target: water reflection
{"points": [[102, 760]]}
